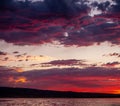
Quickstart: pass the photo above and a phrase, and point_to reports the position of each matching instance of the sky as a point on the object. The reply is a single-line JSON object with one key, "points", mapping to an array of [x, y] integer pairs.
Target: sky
{"points": [[63, 45]]}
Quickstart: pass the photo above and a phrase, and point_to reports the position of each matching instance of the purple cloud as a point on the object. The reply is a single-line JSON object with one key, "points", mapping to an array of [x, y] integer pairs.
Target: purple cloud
{"points": [[69, 62], [36, 23], [91, 77], [3, 53], [111, 64]]}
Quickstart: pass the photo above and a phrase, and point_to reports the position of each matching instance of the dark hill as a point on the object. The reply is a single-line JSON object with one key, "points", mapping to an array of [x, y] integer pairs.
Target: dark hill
{"points": [[6, 92]]}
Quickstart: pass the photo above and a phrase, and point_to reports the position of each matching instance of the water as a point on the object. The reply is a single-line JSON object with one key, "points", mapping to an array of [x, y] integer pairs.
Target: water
{"points": [[60, 102]]}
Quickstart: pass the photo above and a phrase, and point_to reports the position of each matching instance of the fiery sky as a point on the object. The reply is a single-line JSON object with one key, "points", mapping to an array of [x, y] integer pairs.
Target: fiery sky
{"points": [[66, 45]]}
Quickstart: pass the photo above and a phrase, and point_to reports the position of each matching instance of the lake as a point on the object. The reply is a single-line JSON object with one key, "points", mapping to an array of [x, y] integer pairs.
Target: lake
{"points": [[59, 102]]}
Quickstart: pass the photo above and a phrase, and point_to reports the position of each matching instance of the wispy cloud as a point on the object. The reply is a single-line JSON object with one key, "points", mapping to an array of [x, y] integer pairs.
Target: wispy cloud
{"points": [[113, 54], [69, 62], [112, 64]]}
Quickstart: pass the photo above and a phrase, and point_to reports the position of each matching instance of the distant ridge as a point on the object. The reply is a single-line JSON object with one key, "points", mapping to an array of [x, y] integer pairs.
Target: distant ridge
{"points": [[7, 92]]}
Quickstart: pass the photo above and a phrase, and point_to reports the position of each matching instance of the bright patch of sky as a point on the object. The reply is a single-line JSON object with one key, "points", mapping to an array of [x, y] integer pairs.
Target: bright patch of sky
{"points": [[92, 54], [101, 1], [94, 10]]}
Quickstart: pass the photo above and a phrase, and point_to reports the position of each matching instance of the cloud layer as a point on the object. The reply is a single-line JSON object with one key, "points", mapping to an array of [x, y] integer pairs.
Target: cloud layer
{"points": [[73, 79], [33, 23]]}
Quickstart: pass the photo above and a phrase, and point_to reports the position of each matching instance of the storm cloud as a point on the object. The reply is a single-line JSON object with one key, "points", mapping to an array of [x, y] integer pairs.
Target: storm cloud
{"points": [[41, 22]]}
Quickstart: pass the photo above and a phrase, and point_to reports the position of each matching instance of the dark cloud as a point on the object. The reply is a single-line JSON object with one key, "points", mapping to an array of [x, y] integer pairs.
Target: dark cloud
{"points": [[33, 23], [70, 62], [110, 6], [62, 63], [6, 5], [26, 59], [6, 71], [75, 72], [15, 52], [111, 64], [6, 58], [116, 8], [20, 60], [113, 54], [3, 53], [32, 65], [41, 55], [68, 78], [104, 6], [18, 56]]}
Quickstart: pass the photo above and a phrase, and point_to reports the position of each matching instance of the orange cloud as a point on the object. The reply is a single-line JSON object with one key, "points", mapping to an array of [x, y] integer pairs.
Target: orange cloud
{"points": [[17, 80], [21, 80], [18, 69], [90, 79]]}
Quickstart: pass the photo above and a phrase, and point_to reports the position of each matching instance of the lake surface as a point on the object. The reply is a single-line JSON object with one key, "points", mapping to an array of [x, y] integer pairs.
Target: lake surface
{"points": [[60, 102]]}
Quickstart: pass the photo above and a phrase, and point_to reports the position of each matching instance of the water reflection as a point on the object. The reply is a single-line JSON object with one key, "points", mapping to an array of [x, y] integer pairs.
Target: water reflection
{"points": [[59, 102]]}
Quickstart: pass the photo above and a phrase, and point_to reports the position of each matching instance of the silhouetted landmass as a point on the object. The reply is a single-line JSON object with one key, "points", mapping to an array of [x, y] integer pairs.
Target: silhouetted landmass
{"points": [[6, 92]]}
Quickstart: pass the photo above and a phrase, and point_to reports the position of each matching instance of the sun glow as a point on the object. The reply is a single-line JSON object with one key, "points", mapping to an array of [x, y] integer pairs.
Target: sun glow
{"points": [[21, 79], [116, 91], [18, 80], [18, 69]]}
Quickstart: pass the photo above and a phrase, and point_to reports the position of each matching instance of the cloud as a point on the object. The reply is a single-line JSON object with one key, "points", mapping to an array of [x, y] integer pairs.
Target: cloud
{"points": [[111, 64], [18, 56], [104, 6], [113, 54], [69, 62], [14, 58], [15, 52], [6, 58], [37, 23], [116, 8], [3, 53], [17, 80], [74, 79], [75, 72], [10, 77]]}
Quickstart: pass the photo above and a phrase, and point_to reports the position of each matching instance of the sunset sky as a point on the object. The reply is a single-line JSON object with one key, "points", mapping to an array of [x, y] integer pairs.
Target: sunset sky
{"points": [[64, 45]]}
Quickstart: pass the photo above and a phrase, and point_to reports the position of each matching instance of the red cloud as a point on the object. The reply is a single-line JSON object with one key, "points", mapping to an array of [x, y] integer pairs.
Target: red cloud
{"points": [[81, 32], [69, 79], [36, 24]]}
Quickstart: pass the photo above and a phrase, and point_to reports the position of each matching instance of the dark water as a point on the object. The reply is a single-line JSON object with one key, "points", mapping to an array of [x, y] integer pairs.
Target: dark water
{"points": [[60, 102]]}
